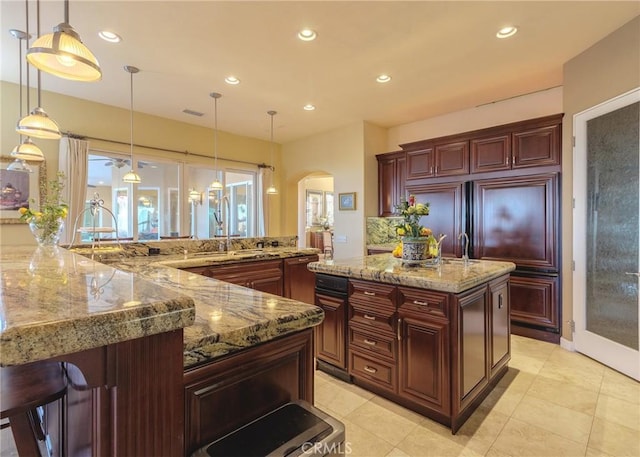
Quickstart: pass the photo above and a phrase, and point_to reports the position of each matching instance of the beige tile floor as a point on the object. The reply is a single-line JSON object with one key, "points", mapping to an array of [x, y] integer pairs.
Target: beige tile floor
{"points": [[552, 402]]}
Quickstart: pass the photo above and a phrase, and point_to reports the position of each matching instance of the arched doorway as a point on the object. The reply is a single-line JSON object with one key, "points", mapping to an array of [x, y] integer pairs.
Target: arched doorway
{"points": [[315, 208]]}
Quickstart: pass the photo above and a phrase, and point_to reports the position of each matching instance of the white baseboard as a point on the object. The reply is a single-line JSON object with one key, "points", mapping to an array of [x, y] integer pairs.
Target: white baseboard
{"points": [[568, 345]]}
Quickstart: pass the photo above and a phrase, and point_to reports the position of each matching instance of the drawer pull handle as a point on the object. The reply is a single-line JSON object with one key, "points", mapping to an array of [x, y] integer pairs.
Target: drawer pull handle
{"points": [[366, 292], [302, 260], [371, 318], [499, 301], [421, 303], [369, 369], [369, 342]]}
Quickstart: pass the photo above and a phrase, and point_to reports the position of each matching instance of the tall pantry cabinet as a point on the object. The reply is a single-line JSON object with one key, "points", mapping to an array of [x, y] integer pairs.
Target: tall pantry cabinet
{"points": [[501, 186]]}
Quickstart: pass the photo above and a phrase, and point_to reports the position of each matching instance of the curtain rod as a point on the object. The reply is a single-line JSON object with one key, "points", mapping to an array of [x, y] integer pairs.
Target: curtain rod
{"points": [[78, 136]]}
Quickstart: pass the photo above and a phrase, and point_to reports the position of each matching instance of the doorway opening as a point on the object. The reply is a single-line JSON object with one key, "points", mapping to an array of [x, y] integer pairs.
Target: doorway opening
{"points": [[315, 210]]}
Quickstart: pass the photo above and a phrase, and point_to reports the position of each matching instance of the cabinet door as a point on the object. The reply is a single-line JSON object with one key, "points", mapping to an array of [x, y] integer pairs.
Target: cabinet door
{"points": [[331, 333], [516, 220], [447, 203], [424, 361], [500, 343], [420, 164], [452, 159], [536, 147], [491, 154], [269, 284], [471, 371], [299, 282], [386, 186], [401, 180], [535, 301]]}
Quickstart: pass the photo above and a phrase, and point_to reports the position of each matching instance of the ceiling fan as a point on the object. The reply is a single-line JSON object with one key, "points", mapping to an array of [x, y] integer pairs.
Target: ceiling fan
{"points": [[118, 163]]}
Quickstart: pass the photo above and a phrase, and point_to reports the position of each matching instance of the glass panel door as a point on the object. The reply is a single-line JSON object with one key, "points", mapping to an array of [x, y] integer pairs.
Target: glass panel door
{"points": [[607, 237]]}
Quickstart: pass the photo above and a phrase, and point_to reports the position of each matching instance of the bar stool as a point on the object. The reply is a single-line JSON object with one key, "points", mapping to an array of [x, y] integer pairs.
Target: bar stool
{"points": [[23, 388], [327, 243]]}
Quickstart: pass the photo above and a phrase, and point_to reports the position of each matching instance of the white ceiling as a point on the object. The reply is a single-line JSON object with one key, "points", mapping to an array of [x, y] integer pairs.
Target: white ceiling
{"points": [[443, 56]]}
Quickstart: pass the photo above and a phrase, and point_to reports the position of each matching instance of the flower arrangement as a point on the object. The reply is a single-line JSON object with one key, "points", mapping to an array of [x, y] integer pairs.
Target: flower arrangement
{"points": [[46, 224], [411, 213]]}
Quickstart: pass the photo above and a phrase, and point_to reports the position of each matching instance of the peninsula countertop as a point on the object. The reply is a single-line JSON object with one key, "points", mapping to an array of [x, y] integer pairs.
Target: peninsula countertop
{"points": [[451, 276], [54, 302], [58, 304]]}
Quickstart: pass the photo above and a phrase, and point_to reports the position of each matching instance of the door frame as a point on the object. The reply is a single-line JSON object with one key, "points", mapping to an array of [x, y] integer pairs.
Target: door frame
{"points": [[610, 353]]}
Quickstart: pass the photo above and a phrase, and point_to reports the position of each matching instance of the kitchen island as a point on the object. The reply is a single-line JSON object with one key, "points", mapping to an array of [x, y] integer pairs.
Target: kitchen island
{"points": [[159, 360], [433, 339]]}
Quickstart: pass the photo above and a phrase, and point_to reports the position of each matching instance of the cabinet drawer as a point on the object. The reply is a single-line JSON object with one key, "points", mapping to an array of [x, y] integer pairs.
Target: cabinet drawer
{"points": [[374, 343], [423, 302], [372, 317], [377, 371], [373, 293]]}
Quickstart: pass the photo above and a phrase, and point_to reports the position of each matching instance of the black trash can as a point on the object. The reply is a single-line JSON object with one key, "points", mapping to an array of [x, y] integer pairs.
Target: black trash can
{"points": [[294, 429]]}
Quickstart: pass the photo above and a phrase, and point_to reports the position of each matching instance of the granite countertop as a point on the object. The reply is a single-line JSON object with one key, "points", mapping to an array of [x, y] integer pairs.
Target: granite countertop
{"points": [[54, 302], [138, 296], [451, 276]]}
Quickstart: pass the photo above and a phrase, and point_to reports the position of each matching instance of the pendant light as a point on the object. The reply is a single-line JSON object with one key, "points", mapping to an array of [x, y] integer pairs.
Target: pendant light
{"points": [[271, 190], [62, 53], [26, 150], [38, 124], [216, 184], [131, 176]]}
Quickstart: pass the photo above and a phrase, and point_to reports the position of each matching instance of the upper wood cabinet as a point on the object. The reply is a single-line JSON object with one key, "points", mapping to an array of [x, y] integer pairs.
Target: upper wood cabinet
{"points": [[392, 175], [529, 147], [444, 159]]}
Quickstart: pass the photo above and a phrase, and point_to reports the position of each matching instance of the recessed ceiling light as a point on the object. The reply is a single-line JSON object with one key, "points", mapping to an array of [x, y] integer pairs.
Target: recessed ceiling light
{"points": [[307, 35], [506, 32], [111, 37], [309, 107], [383, 78], [232, 80]]}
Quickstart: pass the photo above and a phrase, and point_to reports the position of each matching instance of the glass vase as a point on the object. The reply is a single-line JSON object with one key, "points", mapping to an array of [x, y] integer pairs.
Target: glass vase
{"points": [[47, 231]]}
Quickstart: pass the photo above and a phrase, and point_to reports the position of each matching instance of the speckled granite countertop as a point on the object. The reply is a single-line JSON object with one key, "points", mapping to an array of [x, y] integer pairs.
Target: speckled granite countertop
{"points": [[229, 318], [451, 276], [54, 302]]}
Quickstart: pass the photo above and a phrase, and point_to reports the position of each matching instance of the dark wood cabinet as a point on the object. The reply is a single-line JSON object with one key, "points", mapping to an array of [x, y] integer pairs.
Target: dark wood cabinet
{"points": [[434, 352], [230, 392], [535, 147], [424, 359], [535, 303], [491, 153], [299, 282], [517, 220], [331, 334], [440, 159], [392, 175], [265, 275], [447, 212], [500, 343]]}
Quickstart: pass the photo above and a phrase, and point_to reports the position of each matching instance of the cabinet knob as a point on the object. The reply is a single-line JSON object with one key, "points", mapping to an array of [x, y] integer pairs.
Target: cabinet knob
{"points": [[369, 369], [369, 342], [367, 316], [421, 303], [372, 294]]}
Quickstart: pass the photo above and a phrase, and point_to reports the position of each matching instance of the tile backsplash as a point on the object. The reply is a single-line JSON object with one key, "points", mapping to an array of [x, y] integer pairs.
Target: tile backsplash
{"points": [[381, 230]]}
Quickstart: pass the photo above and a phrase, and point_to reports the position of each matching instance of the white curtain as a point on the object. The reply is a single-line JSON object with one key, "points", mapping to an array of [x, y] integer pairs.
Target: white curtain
{"points": [[73, 161], [263, 202]]}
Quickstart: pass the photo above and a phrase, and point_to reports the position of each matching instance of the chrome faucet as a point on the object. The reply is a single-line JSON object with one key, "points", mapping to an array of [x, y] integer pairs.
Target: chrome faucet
{"points": [[465, 257], [225, 198]]}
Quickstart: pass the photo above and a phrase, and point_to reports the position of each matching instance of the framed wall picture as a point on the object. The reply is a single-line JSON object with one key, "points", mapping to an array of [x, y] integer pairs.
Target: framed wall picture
{"points": [[347, 201], [315, 210], [20, 189]]}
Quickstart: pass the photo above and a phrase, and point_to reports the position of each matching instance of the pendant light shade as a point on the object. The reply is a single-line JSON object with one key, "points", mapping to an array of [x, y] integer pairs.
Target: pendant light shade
{"points": [[27, 150], [62, 53], [271, 190], [216, 184], [38, 124], [131, 177]]}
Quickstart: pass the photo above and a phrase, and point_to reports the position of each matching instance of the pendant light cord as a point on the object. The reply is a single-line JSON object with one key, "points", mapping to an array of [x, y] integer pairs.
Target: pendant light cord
{"points": [[131, 104], [66, 11], [27, 20], [38, 36], [215, 137]]}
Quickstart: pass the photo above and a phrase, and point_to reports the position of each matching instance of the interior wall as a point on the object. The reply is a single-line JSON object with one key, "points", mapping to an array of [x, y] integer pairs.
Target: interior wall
{"points": [[609, 68], [339, 153], [375, 142], [520, 108], [103, 121]]}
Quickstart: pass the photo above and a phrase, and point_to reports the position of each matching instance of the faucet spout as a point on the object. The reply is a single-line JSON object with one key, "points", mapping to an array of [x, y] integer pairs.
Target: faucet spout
{"points": [[465, 256]]}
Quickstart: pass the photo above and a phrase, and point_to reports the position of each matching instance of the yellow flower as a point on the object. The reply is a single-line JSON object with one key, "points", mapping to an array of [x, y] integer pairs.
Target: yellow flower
{"points": [[424, 231], [23, 210], [400, 231]]}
